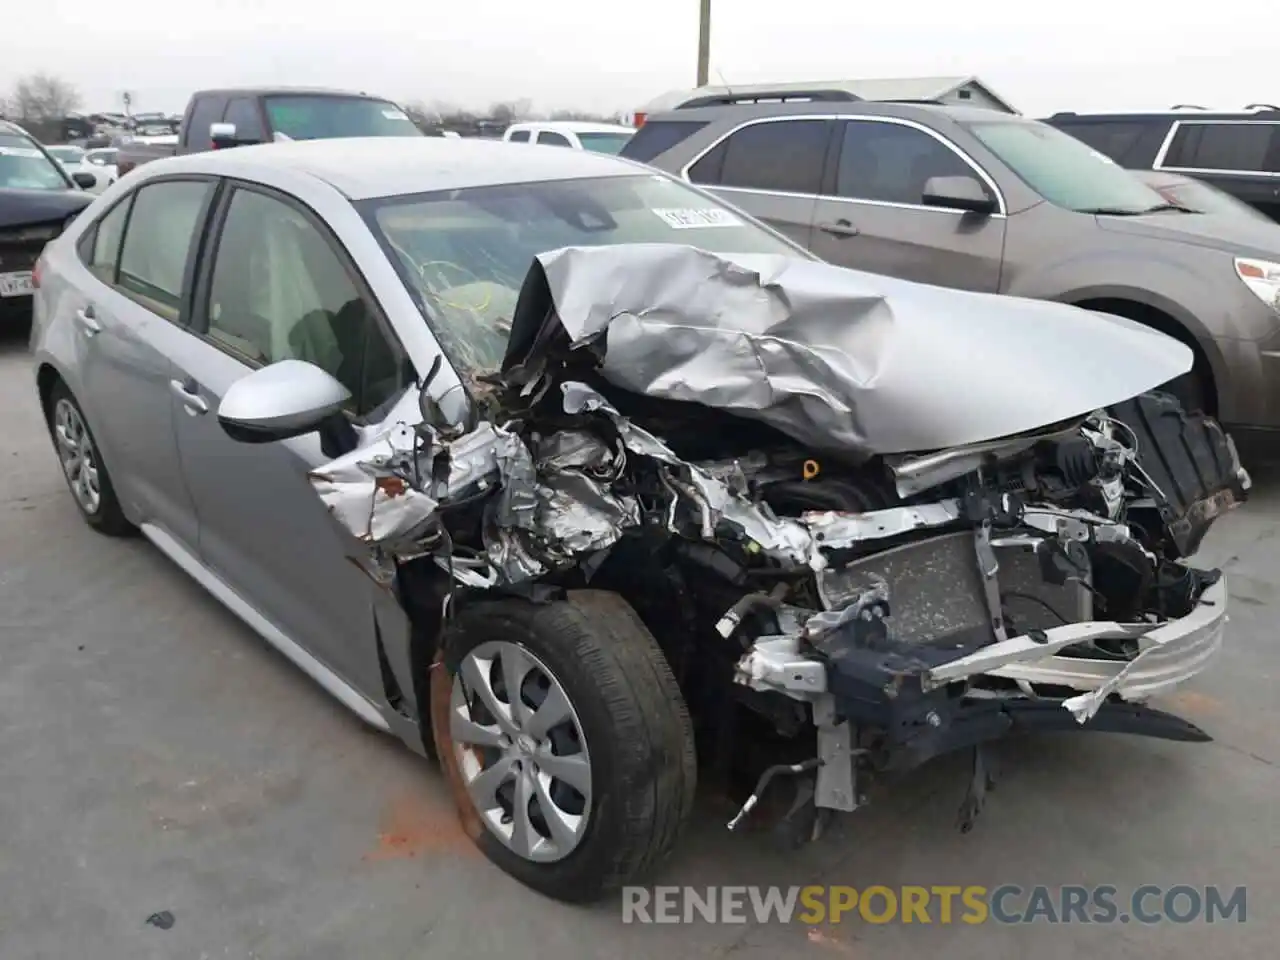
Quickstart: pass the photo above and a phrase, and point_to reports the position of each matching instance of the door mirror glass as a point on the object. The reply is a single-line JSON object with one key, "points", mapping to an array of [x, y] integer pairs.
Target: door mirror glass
{"points": [[282, 400], [958, 193]]}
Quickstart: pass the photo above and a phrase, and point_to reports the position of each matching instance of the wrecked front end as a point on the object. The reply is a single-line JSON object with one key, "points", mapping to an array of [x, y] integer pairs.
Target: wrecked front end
{"points": [[729, 445]]}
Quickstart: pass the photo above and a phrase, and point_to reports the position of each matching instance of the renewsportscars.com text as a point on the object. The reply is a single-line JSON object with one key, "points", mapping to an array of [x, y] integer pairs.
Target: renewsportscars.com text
{"points": [[972, 905]]}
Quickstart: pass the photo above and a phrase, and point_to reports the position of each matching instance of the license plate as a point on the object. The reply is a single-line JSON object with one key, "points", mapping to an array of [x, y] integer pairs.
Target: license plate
{"points": [[16, 284]]}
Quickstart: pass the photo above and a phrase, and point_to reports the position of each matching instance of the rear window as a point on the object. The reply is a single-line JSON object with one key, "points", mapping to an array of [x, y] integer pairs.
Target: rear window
{"points": [[465, 253], [657, 137], [783, 156], [326, 117], [1240, 147]]}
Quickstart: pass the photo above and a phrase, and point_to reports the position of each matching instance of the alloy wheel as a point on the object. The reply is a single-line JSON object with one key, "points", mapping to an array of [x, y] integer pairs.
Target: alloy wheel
{"points": [[77, 454]]}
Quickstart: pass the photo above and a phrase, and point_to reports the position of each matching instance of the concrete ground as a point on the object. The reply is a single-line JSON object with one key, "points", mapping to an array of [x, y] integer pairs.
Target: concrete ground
{"points": [[155, 755]]}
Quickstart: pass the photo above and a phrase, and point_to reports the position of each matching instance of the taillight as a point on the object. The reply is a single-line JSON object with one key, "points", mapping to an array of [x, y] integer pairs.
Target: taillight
{"points": [[36, 271], [640, 119]]}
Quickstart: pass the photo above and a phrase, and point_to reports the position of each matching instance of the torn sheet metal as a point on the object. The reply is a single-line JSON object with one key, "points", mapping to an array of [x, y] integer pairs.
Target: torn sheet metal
{"points": [[836, 358]]}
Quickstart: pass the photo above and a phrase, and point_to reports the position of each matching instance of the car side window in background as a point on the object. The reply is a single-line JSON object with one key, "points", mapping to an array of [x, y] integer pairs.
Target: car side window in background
{"points": [[102, 252], [891, 162], [1242, 147], [519, 136], [206, 112], [243, 112], [153, 255], [279, 291], [781, 155], [1113, 138], [551, 138], [657, 137]]}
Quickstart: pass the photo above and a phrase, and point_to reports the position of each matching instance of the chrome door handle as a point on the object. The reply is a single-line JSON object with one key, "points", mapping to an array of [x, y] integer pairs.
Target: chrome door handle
{"points": [[88, 322], [840, 228], [187, 392]]}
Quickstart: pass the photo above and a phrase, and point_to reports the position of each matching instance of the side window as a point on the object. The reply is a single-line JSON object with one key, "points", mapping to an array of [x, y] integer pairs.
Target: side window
{"points": [[519, 136], [1113, 138], [206, 112], [551, 138], [153, 255], [278, 291], [243, 112], [891, 162], [100, 247], [1243, 147], [781, 155]]}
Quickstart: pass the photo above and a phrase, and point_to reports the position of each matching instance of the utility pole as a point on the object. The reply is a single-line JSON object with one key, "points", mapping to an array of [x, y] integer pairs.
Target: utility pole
{"points": [[704, 42]]}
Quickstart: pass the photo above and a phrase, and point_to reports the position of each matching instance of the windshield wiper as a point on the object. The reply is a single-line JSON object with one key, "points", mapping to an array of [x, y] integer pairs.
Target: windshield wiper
{"points": [[1127, 212]]}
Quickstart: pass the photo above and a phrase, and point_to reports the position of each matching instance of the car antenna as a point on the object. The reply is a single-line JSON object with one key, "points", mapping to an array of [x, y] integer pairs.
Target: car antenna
{"points": [[724, 83]]}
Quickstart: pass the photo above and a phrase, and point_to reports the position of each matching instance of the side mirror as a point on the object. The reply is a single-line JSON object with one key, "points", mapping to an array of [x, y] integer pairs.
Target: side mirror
{"points": [[958, 193], [286, 399], [85, 181], [225, 135]]}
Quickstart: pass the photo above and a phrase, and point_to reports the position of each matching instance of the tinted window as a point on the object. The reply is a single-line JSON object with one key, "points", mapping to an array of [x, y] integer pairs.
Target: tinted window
{"points": [[1115, 139], [657, 137], [280, 291], [1063, 170], [553, 139], [323, 117], [890, 162], [783, 155], [1224, 146], [603, 142], [153, 257], [102, 252], [519, 136], [206, 112], [465, 253], [243, 112]]}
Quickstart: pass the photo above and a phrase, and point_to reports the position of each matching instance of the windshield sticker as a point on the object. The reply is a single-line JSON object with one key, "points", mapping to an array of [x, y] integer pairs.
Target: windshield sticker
{"points": [[693, 218], [19, 152], [394, 114]]}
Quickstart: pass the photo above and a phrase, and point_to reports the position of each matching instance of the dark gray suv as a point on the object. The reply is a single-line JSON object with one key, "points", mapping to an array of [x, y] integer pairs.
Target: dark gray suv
{"points": [[977, 200]]}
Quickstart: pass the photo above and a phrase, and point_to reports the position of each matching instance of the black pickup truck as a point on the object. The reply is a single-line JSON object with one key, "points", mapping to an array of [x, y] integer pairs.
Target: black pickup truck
{"points": [[232, 117]]}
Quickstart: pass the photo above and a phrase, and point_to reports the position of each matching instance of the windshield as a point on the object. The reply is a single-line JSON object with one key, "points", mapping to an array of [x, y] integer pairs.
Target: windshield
{"points": [[466, 252], [24, 167], [66, 154], [1206, 198], [327, 117], [1065, 171], [604, 142]]}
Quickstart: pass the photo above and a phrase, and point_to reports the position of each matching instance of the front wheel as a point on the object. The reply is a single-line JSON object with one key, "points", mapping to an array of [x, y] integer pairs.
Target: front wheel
{"points": [[565, 740]]}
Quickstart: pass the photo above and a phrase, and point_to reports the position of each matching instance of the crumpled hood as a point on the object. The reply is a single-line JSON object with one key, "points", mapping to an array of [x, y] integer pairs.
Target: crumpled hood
{"points": [[21, 207], [1236, 235], [835, 358]]}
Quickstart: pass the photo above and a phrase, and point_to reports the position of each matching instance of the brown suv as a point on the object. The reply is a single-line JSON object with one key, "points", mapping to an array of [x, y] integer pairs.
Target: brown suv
{"points": [[978, 200]]}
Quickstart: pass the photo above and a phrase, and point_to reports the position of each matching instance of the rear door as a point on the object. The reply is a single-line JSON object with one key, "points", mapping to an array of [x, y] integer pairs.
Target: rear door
{"points": [[871, 215], [275, 283], [771, 168], [1241, 157], [132, 305]]}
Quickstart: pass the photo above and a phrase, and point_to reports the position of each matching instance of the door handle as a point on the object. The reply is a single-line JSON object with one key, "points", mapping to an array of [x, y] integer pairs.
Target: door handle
{"points": [[188, 392], [88, 321], [839, 228]]}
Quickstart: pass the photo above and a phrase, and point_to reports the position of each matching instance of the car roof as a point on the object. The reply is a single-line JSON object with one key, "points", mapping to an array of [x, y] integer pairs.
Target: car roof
{"points": [[1166, 116], [365, 168], [285, 92], [573, 126], [738, 112]]}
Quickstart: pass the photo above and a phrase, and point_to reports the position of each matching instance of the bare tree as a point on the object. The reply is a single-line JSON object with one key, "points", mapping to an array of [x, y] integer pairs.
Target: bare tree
{"points": [[42, 96]]}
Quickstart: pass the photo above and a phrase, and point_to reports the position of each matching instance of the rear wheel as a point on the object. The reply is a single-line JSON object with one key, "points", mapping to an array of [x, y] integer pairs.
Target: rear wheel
{"points": [[565, 739], [82, 465]]}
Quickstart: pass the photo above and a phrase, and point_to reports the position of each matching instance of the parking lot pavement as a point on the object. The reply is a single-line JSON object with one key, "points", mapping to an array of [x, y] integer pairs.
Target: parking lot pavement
{"points": [[157, 756]]}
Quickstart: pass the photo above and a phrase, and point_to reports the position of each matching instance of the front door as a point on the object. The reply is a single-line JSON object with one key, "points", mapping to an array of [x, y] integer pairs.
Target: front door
{"points": [[277, 286], [871, 216]]}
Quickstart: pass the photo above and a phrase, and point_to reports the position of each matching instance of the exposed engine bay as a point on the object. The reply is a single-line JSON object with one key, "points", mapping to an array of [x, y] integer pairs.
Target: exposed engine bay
{"points": [[858, 605]]}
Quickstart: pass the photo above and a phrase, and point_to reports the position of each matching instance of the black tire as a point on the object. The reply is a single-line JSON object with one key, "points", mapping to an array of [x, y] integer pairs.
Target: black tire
{"points": [[633, 719], [108, 519]]}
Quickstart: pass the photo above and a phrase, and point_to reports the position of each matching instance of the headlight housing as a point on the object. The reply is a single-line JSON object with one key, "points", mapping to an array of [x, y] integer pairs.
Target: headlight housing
{"points": [[1263, 278]]}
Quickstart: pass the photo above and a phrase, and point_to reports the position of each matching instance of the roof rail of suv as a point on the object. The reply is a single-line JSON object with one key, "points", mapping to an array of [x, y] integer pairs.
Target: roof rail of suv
{"points": [[756, 96], [1264, 107]]}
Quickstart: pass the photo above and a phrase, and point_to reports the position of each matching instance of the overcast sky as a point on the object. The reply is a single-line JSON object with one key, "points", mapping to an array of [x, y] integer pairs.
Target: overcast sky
{"points": [[616, 54]]}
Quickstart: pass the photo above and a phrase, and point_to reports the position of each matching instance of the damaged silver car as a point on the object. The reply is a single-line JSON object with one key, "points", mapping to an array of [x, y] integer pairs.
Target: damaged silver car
{"points": [[661, 487]]}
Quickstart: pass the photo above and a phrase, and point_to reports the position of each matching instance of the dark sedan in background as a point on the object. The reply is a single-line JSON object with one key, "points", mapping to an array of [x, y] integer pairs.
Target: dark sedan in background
{"points": [[37, 201]]}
